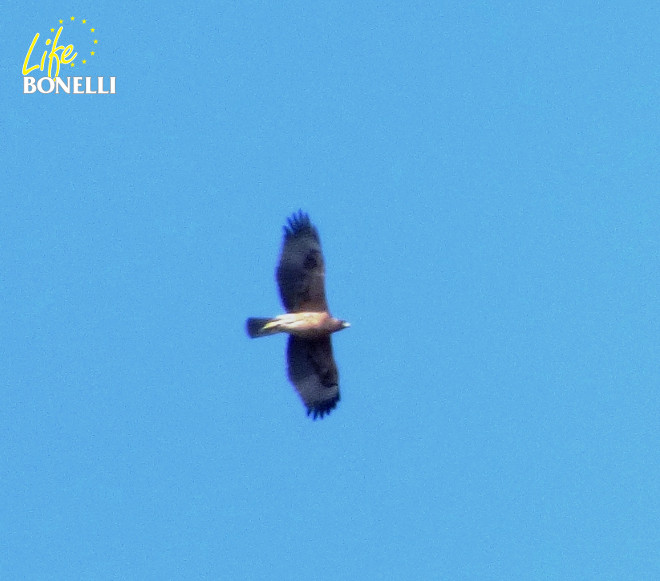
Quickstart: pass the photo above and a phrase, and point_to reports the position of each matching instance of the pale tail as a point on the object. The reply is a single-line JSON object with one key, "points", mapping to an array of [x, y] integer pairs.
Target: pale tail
{"points": [[255, 327]]}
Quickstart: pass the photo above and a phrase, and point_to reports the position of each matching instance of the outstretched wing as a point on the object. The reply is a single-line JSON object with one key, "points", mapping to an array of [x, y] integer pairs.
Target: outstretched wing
{"points": [[301, 271], [313, 372]]}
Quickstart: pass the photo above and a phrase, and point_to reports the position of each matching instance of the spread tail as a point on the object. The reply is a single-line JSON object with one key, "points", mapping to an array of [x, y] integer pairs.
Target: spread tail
{"points": [[259, 327]]}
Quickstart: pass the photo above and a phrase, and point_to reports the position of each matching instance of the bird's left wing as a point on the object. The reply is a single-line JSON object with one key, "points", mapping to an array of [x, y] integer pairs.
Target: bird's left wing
{"points": [[313, 372]]}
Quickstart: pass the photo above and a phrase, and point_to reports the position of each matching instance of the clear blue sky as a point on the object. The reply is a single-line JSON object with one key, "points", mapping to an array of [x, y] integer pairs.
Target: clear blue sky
{"points": [[485, 179]]}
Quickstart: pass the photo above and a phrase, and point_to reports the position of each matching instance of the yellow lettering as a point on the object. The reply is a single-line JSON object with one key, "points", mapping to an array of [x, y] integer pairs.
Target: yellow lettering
{"points": [[65, 58], [66, 53], [26, 71], [54, 56]]}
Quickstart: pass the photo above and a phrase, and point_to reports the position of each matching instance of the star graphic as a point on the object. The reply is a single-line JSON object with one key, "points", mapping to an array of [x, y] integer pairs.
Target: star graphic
{"points": [[96, 41], [73, 18]]}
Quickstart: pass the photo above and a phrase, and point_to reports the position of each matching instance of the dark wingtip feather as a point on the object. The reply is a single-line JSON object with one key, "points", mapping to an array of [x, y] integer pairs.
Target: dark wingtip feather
{"points": [[298, 223], [323, 409]]}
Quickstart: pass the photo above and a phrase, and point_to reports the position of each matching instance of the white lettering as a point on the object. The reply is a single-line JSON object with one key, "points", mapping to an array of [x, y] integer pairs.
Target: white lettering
{"points": [[28, 85], [88, 86], [59, 84], [81, 85], [40, 85]]}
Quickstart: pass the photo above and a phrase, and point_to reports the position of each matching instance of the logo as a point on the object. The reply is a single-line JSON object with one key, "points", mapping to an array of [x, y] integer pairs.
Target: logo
{"points": [[57, 58]]}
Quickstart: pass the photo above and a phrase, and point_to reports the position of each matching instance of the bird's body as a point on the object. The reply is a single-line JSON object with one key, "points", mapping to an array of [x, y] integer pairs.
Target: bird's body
{"points": [[309, 325], [301, 280]]}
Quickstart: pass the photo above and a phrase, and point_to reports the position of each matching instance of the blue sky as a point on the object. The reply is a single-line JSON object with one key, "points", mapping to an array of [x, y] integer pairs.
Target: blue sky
{"points": [[485, 182]]}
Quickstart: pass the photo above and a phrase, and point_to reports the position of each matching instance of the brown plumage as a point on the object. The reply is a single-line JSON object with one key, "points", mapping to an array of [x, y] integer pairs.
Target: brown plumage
{"points": [[301, 281]]}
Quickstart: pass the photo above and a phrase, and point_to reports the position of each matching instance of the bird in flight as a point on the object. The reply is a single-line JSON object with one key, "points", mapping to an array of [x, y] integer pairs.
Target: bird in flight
{"points": [[301, 280]]}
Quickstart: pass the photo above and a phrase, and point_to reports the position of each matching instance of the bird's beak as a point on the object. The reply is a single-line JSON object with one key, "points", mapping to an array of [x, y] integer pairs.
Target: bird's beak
{"points": [[345, 324]]}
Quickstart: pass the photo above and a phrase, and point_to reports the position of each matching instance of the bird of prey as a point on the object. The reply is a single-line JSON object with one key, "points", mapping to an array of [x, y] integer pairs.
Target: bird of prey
{"points": [[301, 280]]}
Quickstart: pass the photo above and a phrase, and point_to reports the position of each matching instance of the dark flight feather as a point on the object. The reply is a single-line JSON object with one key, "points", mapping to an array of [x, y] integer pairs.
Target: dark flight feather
{"points": [[301, 270]]}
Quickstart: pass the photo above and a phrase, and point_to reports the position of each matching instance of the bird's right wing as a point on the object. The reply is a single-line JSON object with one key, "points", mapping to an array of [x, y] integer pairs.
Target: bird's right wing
{"points": [[301, 270]]}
